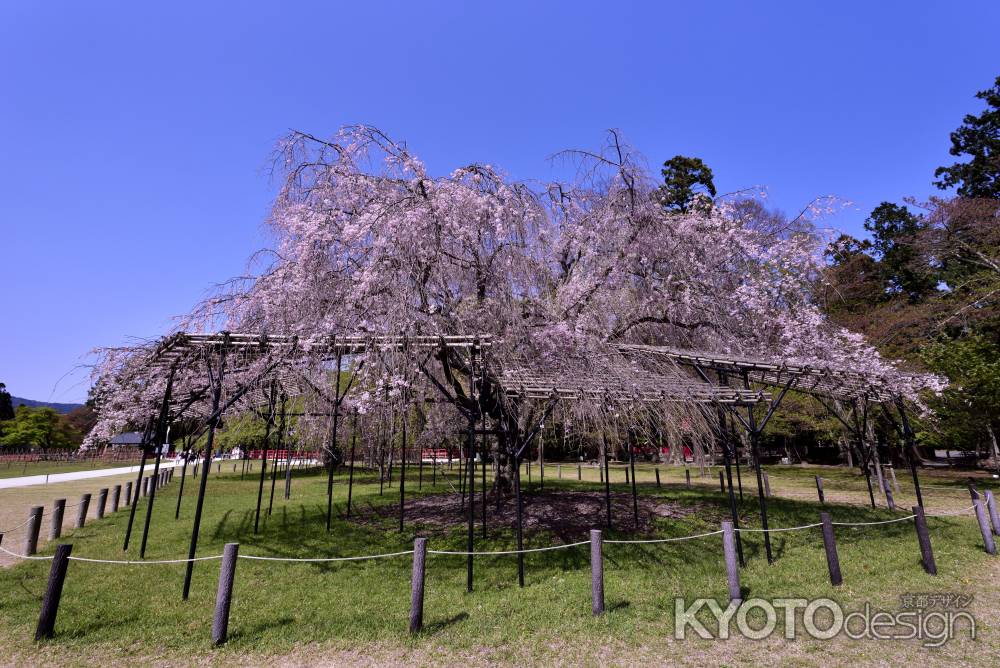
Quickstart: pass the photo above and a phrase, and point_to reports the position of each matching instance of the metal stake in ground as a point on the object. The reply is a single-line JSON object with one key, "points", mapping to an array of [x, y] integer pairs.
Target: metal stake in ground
{"points": [[53, 592]]}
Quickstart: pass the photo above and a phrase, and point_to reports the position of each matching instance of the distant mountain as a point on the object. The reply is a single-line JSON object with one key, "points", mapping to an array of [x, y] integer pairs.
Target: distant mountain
{"points": [[31, 403]]}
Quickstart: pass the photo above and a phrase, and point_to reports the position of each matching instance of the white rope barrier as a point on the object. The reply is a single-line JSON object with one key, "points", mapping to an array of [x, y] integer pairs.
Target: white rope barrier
{"points": [[506, 552], [129, 562], [769, 530], [955, 512], [664, 540], [868, 524], [24, 523], [325, 559], [23, 556]]}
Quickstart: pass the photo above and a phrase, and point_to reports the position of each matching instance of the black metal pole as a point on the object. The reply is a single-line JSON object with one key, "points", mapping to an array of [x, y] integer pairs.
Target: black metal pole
{"points": [[631, 463], [755, 448], [277, 449], [138, 483], [216, 397], [184, 468], [727, 442], [607, 481], [471, 470], [911, 447], [159, 437], [350, 474], [333, 448], [402, 473], [263, 456], [520, 521]]}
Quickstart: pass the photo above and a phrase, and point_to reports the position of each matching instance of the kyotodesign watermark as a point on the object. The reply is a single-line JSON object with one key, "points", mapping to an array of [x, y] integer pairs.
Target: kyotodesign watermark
{"points": [[933, 619]]}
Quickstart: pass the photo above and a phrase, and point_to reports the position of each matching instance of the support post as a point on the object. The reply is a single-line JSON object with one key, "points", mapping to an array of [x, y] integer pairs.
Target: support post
{"points": [[263, 457], [34, 527], [732, 563], [350, 474], [81, 515], [116, 495], [55, 524], [132, 499], [991, 506], [830, 545], [819, 490], [767, 485], [924, 539], [657, 470], [596, 572], [520, 521], [53, 592], [687, 477], [417, 584], [722, 482], [607, 482], [224, 595], [209, 442], [984, 527], [102, 502]]}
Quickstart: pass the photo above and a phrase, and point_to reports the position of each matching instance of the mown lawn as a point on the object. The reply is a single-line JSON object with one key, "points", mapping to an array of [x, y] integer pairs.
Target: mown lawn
{"points": [[349, 612]]}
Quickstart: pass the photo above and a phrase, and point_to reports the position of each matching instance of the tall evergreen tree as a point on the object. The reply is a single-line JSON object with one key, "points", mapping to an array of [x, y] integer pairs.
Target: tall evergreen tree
{"points": [[979, 138]]}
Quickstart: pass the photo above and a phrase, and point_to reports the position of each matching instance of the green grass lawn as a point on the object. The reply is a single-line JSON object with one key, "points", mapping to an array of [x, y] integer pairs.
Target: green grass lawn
{"points": [[113, 611], [18, 469]]}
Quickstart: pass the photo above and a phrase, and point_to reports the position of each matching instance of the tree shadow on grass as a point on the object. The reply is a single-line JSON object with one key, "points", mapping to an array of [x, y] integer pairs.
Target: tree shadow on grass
{"points": [[442, 624]]}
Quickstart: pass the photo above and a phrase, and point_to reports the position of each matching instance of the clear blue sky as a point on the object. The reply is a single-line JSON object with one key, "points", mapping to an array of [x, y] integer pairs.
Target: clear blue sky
{"points": [[133, 138]]}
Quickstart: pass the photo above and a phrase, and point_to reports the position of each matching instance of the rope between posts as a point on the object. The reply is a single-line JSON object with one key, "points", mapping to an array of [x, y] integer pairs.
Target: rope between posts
{"points": [[27, 521], [804, 526], [664, 540], [505, 552], [324, 559], [868, 524], [955, 512], [23, 556], [129, 562]]}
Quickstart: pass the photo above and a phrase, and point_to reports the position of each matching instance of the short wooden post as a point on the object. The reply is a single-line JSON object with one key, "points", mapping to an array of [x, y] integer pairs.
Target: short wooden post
{"points": [[892, 474], [984, 527], [55, 523], [819, 490], [34, 526], [53, 592], [417, 584], [224, 596], [722, 482], [657, 469], [991, 507], [732, 562], [687, 477], [924, 539], [767, 485], [116, 496], [830, 545], [81, 515], [579, 472], [626, 475], [973, 492], [596, 572], [102, 502], [559, 471], [128, 493]]}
